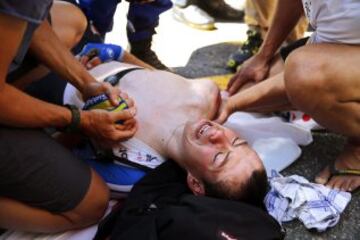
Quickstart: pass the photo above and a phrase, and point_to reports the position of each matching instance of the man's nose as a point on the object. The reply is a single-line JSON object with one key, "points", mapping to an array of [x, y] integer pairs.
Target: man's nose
{"points": [[218, 137]]}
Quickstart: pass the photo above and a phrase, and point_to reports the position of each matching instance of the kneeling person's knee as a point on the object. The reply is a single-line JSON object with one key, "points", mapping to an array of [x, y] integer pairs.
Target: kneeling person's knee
{"points": [[304, 76], [68, 22], [92, 207]]}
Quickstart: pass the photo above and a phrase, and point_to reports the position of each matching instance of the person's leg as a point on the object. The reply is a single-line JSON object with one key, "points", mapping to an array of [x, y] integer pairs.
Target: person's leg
{"points": [[187, 12], [257, 15], [142, 21], [69, 24], [261, 12], [331, 71], [299, 30], [220, 10], [16, 215], [100, 13], [43, 187]]}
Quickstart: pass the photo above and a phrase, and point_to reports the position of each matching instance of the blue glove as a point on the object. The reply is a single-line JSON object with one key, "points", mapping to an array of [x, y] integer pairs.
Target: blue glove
{"points": [[106, 52]]}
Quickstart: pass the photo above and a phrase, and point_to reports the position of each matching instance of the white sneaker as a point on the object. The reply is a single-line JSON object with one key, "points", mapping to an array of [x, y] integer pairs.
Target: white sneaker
{"points": [[194, 17]]}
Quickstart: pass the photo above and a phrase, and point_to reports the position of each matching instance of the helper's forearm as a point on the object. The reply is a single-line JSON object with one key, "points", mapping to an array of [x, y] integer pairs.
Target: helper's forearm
{"points": [[286, 17], [47, 47], [266, 96], [21, 110]]}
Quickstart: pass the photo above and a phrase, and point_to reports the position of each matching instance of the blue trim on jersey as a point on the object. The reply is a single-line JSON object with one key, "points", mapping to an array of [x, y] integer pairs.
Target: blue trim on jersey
{"points": [[116, 174]]}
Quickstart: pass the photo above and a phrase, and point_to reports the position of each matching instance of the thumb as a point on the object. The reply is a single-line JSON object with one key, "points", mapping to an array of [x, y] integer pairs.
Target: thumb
{"points": [[92, 63], [112, 93]]}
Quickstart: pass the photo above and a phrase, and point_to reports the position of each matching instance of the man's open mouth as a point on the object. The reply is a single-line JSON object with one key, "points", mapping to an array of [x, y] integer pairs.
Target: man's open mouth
{"points": [[203, 127]]}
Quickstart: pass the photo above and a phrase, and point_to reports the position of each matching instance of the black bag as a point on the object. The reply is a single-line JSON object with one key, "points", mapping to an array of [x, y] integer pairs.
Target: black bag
{"points": [[161, 207]]}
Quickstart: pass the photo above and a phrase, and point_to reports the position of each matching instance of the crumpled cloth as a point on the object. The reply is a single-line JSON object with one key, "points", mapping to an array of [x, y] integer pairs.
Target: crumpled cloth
{"points": [[316, 206]]}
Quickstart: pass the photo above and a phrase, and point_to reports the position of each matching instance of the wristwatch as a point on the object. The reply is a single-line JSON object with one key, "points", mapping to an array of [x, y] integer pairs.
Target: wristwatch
{"points": [[74, 125]]}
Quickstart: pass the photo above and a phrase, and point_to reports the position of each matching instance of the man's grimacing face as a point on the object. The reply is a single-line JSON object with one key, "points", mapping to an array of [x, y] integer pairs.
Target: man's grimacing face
{"points": [[216, 153]]}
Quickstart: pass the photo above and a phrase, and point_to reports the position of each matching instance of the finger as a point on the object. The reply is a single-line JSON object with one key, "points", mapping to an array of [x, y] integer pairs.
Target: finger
{"points": [[92, 53], [125, 127], [123, 115], [222, 117], [112, 93], [130, 102], [236, 86], [125, 134], [93, 62], [131, 125], [84, 60], [231, 81], [120, 127], [130, 122], [123, 95]]}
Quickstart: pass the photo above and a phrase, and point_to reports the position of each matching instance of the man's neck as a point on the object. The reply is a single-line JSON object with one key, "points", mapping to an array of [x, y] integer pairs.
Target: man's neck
{"points": [[172, 148], [170, 142]]}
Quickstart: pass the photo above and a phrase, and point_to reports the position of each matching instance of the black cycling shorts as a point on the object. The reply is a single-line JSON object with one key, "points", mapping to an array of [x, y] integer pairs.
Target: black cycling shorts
{"points": [[285, 51]]}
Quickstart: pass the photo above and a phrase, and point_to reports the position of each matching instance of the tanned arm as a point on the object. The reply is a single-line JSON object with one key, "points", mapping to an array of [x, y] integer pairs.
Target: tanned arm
{"points": [[286, 17], [21, 110], [270, 94], [17, 108], [48, 48], [256, 69]]}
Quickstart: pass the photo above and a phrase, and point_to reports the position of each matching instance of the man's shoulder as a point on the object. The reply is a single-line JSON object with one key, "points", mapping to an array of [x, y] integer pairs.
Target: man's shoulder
{"points": [[109, 68]]}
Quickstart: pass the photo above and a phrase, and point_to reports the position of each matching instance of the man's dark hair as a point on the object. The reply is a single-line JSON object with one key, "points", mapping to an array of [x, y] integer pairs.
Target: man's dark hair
{"points": [[253, 191]]}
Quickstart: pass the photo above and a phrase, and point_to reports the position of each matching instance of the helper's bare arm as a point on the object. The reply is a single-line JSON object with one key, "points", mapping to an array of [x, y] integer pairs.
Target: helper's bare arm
{"points": [[21, 110], [257, 68]]}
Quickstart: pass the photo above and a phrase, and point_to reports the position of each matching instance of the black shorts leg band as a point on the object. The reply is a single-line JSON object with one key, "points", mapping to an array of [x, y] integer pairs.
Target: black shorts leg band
{"points": [[285, 51]]}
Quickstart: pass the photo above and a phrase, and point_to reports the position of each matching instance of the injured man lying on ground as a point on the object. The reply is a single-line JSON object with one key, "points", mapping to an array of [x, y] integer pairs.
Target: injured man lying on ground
{"points": [[174, 122]]}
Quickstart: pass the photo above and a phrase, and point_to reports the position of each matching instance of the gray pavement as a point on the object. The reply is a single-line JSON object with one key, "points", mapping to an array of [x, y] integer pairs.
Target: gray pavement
{"points": [[211, 60]]}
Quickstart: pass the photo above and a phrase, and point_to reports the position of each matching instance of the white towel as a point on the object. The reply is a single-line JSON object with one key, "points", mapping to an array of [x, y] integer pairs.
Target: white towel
{"points": [[316, 206]]}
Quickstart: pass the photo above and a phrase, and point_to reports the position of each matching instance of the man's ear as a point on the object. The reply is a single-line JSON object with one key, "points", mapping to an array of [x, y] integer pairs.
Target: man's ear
{"points": [[195, 185]]}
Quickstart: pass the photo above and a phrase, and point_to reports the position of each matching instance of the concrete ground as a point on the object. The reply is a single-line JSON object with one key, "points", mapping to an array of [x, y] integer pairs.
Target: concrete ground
{"points": [[197, 53]]}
